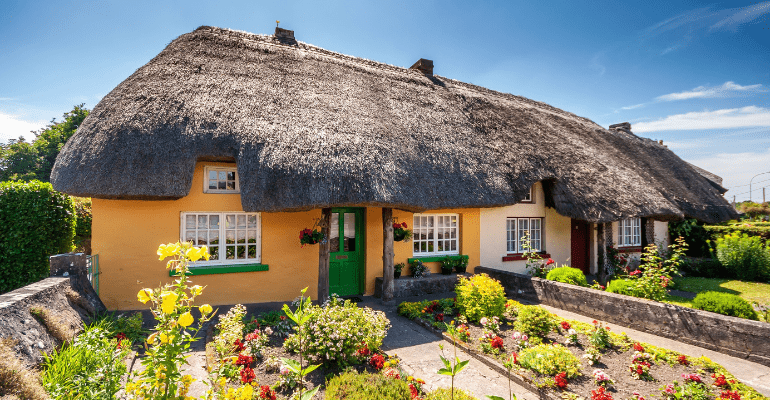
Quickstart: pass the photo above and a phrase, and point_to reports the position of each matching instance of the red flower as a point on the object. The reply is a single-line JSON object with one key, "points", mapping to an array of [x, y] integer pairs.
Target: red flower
{"points": [[550, 261], [683, 359], [565, 325], [515, 357], [600, 394], [244, 360], [403, 225], [121, 337], [607, 327], [561, 380], [414, 391], [440, 317], [252, 336], [238, 345], [247, 375], [637, 272], [730, 395], [497, 343], [377, 361], [266, 393], [594, 322], [720, 381], [638, 347], [692, 378], [363, 351]]}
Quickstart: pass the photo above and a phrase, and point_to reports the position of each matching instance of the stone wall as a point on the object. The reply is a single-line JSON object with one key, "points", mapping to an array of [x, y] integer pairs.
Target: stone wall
{"points": [[730, 335], [68, 296], [407, 286]]}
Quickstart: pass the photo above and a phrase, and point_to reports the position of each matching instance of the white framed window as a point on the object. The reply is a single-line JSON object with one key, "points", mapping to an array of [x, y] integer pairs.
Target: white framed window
{"points": [[630, 232], [232, 237], [517, 228], [436, 234], [528, 198], [221, 180]]}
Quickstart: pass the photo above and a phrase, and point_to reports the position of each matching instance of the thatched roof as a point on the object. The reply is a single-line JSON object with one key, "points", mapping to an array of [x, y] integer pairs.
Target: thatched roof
{"points": [[311, 128]]}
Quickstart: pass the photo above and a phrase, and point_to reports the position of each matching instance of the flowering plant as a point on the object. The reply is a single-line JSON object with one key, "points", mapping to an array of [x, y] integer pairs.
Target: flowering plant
{"points": [[572, 337], [655, 273], [601, 394], [463, 333], [310, 236], [618, 261], [721, 382], [490, 324], [730, 395], [400, 233], [692, 388], [520, 340], [418, 269], [600, 336], [491, 343], [640, 366], [692, 378], [638, 347], [592, 355], [560, 380], [682, 359], [601, 378]]}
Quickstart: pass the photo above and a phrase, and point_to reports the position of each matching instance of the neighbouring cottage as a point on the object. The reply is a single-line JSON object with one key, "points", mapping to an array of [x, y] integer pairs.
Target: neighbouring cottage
{"points": [[239, 141]]}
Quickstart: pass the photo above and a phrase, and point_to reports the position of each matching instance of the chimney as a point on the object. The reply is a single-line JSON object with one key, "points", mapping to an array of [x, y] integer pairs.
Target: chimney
{"points": [[424, 66], [621, 127], [285, 36]]}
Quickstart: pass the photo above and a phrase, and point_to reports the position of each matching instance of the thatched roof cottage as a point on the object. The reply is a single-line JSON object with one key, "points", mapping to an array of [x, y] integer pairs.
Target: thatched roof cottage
{"points": [[251, 138]]}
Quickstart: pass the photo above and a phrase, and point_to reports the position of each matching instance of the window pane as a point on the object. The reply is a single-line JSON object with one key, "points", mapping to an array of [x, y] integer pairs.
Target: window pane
{"points": [[241, 236], [202, 221], [230, 250], [214, 222], [189, 236], [241, 221], [241, 252], [214, 251], [440, 245], [213, 237], [222, 175], [213, 185], [252, 251], [229, 221], [252, 221], [213, 175], [349, 230], [230, 185], [454, 246], [222, 185], [229, 236], [202, 238], [334, 233], [252, 236], [189, 221], [231, 175]]}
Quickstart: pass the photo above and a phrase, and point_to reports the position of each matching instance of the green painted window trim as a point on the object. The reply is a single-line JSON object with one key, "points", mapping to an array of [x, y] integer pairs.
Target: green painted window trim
{"points": [[436, 258], [223, 269]]}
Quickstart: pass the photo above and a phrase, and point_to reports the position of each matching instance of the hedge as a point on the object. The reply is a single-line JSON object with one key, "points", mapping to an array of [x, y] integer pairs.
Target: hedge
{"points": [[755, 230], [37, 222], [726, 304]]}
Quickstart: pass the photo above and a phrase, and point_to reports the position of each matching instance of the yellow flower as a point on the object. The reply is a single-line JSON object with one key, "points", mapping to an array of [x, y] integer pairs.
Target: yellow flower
{"points": [[205, 252], [163, 338], [168, 302], [168, 250], [410, 378], [144, 295], [196, 290], [151, 339], [186, 319], [205, 309]]}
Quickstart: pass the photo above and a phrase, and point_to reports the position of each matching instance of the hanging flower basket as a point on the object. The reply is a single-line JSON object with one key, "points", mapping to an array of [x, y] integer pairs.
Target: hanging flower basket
{"points": [[400, 233], [310, 236]]}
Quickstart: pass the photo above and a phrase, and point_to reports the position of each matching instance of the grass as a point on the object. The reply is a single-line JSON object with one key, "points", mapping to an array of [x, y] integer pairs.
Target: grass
{"points": [[750, 291], [16, 381]]}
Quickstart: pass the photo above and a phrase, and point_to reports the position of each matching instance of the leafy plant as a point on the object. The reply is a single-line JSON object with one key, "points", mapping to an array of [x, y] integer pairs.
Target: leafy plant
{"points": [[599, 336], [726, 304], [354, 386], [480, 296], [508, 364], [454, 367], [401, 233], [745, 255], [572, 276], [418, 268], [694, 233], [535, 321], [535, 265], [447, 394], [398, 267], [300, 317], [550, 360], [37, 222], [335, 333], [656, 271], [172, 306]]}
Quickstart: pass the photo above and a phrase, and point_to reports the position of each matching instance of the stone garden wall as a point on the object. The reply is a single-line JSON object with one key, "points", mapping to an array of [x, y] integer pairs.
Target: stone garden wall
{"points": [[67, 297], [730, 335]]}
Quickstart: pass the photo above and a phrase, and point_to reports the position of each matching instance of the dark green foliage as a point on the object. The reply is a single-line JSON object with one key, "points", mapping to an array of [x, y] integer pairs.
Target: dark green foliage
{"points": [[694, 234], [705, 268], [354, 386], [726, 304], [622, 286], [746, 256], [83, 225], [570, 275], [37, 222], [22, 161]]}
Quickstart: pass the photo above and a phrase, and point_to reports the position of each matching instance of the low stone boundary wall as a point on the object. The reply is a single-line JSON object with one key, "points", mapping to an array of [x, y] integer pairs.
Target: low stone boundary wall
{"points": [[407, 286], [69, 297], [729, 335]]}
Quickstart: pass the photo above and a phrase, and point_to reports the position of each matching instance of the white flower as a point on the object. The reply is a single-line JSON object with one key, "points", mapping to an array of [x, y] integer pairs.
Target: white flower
{"points": [[571, 331]]}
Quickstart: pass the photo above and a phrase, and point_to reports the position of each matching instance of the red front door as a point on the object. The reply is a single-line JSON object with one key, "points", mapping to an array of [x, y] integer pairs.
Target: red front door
{"points": [[579, 238]]}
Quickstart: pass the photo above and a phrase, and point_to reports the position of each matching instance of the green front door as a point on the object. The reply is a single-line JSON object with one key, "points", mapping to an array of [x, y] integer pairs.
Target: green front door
{"points": [[346, 258]]}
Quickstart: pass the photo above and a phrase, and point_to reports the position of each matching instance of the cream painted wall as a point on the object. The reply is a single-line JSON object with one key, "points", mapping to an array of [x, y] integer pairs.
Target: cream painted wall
{"points": [[661, 232], [556, 234]]}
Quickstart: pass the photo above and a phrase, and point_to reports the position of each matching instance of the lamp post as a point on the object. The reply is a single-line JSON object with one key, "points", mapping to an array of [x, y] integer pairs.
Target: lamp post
{"points": [[752, 179]]}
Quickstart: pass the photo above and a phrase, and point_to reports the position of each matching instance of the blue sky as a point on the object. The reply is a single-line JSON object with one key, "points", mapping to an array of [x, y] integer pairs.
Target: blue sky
{"points": [[693, 74]]}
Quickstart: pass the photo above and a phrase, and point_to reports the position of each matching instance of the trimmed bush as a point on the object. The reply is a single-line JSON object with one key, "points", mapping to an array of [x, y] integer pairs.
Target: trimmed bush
{"points": [[83, 226], [621, 286], [725, 304], [37, 222], [354, 386], [535, 321], [480, 296], [446, 394], [570, 275], [547, 359], [745, 255]]}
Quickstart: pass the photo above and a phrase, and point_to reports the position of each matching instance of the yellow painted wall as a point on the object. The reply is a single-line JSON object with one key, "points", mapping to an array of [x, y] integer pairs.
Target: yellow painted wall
{"points": [[126, 235]]}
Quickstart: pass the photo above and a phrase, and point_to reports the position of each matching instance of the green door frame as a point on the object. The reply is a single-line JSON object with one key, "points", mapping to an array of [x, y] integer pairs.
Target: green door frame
{"points": [[359, 252]]}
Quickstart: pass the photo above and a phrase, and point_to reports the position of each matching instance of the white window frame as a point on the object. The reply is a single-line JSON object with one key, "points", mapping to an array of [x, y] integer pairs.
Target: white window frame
{"points": [[630, 232], [222, 231], [206, 179], [529, 198], [418, 230], [514, 231]]}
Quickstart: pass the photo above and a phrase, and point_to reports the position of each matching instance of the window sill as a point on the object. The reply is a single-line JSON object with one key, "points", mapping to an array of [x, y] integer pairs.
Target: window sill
{"points": [[436, 258], [630, 249], [520, 257], [223, 269]]}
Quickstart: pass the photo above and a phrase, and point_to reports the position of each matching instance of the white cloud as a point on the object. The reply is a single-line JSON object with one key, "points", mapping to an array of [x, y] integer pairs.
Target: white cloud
{"points": [[719, 119], [742, 15], [633, 107], [727, 89], [11, 127], [737, 169]]}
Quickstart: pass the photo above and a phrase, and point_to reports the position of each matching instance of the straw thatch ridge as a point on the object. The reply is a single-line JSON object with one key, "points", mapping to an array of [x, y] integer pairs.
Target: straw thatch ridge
{"points": [[311, 128]]}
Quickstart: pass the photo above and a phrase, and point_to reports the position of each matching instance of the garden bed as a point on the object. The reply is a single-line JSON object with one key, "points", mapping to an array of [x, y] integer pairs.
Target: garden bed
{"points": [[666, 366]]}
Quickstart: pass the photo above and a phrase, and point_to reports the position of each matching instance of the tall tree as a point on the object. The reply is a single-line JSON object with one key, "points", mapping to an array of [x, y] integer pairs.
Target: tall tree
{"points": [[18, 161]]}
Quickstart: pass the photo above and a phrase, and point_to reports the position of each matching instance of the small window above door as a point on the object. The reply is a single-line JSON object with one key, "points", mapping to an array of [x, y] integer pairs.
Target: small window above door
{"points": [[221, 180]]}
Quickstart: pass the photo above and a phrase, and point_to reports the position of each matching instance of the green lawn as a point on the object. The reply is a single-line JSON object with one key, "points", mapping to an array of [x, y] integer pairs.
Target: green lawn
{"points": [[751, 291]]}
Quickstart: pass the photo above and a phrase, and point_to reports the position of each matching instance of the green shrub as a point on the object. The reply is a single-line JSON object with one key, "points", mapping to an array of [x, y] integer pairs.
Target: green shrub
{"points": [[621, 286], [726, 304], [705, 268], [745, 255], [570, 275], [37, 222], [446, 394], [480, 296], [336, 332], [547, 359], [534, 321], [353, 386], [83, 225], [92, 367]]}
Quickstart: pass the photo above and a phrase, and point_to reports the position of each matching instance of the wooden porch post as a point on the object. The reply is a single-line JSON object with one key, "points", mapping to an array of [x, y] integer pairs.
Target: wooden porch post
{"points": [[387, 254], [601, 254], [323, 256]]}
